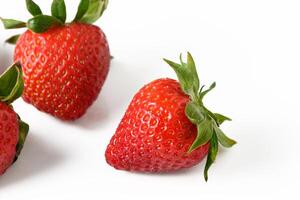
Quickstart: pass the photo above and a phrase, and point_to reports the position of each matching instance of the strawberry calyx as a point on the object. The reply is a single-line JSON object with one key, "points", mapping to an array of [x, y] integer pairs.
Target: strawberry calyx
{"points": [[207, 122], [11, 84], [23, 132], [11, 88], [89, 11]]}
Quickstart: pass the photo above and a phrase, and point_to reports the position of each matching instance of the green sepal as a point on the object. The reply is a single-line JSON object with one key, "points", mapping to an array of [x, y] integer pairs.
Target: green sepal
{"points": [[94, 12], [42, 23], [33, 8], [204, 134], [211, 115], [11, 84], [12, 40], [12, 24], [187, 75], [58, 10], [82, 9], [221, 118], [223, 139], [184, 76], [191, 66], [207, 122], [194, 112], [23, 132], [212, 154], [203, 93]]}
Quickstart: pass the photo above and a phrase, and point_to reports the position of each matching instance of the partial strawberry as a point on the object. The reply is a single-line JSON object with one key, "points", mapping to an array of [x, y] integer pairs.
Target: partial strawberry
{"points": [[65, 64], [13, 130], [167, 127]]}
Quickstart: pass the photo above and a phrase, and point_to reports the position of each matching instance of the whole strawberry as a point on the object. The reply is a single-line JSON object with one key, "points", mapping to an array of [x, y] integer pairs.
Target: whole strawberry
{"points": [[65, 64], [13, 130], [167, 127]]}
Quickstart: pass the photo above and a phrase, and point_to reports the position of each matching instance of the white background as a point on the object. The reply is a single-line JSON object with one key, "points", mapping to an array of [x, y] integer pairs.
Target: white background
{"points": [[250, 48]]}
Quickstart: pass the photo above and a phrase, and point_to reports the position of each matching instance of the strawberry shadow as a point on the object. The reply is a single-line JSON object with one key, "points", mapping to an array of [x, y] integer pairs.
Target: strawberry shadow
{"points": [[95, 116], [5, 59], [36, 158], [114, 98], [181, 172]]}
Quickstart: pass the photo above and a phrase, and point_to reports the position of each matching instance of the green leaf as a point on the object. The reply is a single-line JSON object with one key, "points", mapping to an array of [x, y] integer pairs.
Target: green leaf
{"points": [[12, 40], [42, 23], [212, 154], [223, 139], [221, 118], [11, 84], [33, 8], [204, 134], [82, 9], [95, 11], [12, 24], [23, 132], [58, 10], [194, 112]]}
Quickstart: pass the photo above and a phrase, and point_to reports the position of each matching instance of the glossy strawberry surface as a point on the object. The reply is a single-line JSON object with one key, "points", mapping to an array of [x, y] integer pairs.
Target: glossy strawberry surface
{"points": [[9, 136], [64, 68], [155, 134]]}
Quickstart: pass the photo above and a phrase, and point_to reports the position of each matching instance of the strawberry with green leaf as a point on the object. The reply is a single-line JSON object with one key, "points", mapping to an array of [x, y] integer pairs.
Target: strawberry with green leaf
{"points": [[167, 127], [65, 64], [13, 130]]}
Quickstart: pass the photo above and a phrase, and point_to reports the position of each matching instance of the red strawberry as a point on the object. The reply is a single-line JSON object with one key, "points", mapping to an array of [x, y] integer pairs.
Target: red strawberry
{"points": [[154, 135], [166, 126], [65, 65], [13, 131], [9, 136]]}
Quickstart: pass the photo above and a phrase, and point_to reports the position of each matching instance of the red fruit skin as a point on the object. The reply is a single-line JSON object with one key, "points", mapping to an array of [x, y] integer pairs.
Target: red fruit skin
{"points": [[9, 136], [64, 68], [155, 134]]}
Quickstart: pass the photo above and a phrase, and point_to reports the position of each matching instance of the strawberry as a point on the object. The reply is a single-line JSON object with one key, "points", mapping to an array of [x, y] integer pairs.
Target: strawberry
{"points": [[65, 64], [167, 127], [13, 130]]}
